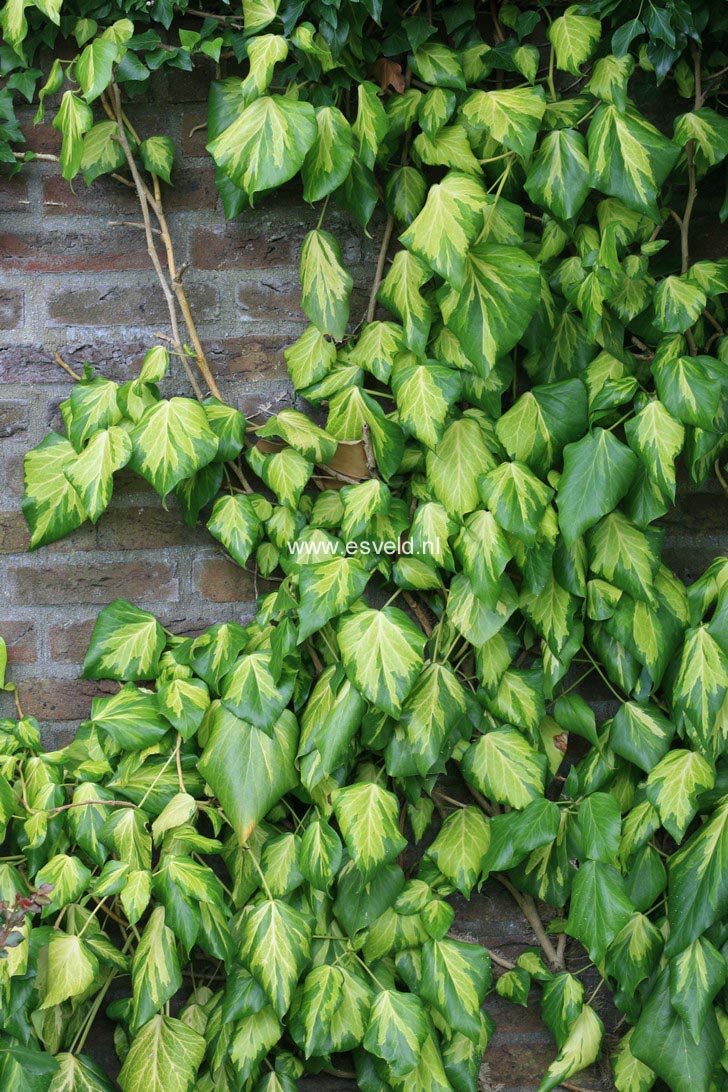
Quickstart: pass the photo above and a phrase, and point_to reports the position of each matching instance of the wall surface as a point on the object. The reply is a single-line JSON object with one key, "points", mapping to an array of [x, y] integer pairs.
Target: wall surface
{"points": [[74, 282]]}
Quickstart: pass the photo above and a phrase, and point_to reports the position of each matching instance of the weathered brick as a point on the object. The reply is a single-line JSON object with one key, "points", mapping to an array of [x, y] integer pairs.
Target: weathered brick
{"points": [[154, 528], [222, 581], [255, 357], [11, 473], [20, 639], [190, 86], [270, 298], [69, 640], [60, 698], [13, 418], [266, 399], [13, 533], [94, 582], [41, 138], [120, 305], [74, 250], [11, 308]]}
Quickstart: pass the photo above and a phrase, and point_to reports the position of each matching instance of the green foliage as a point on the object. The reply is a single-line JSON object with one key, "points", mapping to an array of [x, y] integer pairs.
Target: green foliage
{"points": [[493, 448]]}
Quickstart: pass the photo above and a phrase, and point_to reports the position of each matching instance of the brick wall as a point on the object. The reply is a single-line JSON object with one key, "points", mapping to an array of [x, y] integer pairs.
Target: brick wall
{"points": [[71, 283]]}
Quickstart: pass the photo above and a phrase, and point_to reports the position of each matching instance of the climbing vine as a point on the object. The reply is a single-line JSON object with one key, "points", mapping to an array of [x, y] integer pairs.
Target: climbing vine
{"points": [[458, 523]]}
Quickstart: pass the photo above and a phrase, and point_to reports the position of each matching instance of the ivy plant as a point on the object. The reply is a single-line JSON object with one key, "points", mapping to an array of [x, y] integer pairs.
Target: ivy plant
{"points": [[458, 519]]}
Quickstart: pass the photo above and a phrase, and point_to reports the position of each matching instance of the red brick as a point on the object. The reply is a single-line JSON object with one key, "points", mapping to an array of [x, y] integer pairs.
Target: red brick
{"points": [[60, 699], [11, 308], [19, 638], [255, 401], [41, 251], [41, 138], [222, 581], [105, 198], [193, 189], [270, 299], [258, 357], [190, 86], [13, 418], [252, 242], [70, 640], [93, 582], [194, 139], [14, 194], [149, 528], [117, 305]]}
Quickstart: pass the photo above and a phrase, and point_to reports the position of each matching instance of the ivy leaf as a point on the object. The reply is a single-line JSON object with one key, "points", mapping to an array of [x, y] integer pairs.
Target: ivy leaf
{"points": [[512, 117], [102, 152], [701, 684], [610, 79], [72, 969], [424, 394], [599, 907], [449, 222], [78, 1073], [125, 832], [264, 53], [517, 499], [369, 816], [673, 787], [321, 854], [164, 1056], [286, 473], [248, 770], [266, 144], [657, 438], [455, 979], [663, 1041], [709, 130], [574, 38], [500, 292], [94, 67], [635, 952], [504, 766], [304, 435], [376, 349], [558, 179], [483, 551], [400, 294], [257, 14], [382, 653], [276, 940], [325, 992], [371, 124], [598, 471], [157, 155], [459, 847], [92, 472], [687, 386], [397, 1030], [580, 1049], [310, 358], [563, 1000], [130, 718], [641, 734], [51, 506], [623, 555], [630, 1074], [170, 442], [155, 970], [696, 976], [438, 65], [599, 826], [404, 194], [126, 643], [629, 158], [327, 589], [429, 715], [235, 523], [678, 305], [328, 161], [454, 467], [326, 285]]}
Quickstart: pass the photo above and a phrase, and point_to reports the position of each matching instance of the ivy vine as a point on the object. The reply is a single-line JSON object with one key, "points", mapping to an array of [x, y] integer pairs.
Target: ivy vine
{"points": [[458, 518]]}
